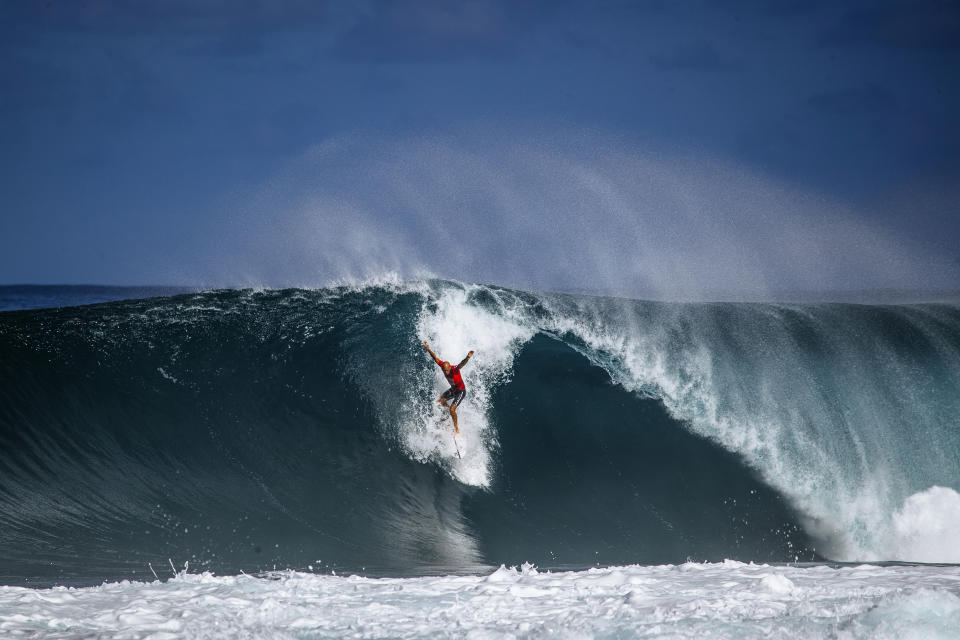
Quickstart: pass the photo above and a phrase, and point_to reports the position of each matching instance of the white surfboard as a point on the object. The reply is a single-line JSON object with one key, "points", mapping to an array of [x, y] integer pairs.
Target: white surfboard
{"points": [[458, 446], [456, 439]]}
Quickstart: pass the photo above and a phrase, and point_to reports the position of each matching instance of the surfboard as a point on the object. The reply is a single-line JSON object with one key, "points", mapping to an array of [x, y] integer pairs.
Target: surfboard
{"points": [[458, 447], [455, 447]]}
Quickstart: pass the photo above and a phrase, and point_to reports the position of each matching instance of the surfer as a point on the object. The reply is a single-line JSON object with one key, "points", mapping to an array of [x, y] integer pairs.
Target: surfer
{"points": [[455, 394]]}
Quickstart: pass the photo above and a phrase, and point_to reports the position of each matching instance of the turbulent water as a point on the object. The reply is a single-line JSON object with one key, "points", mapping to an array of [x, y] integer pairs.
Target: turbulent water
{"points": [[251, 431], [727, 600]]}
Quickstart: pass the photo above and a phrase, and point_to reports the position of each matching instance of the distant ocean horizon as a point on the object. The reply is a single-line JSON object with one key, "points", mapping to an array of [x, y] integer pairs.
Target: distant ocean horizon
{"points": [[14, 297]]}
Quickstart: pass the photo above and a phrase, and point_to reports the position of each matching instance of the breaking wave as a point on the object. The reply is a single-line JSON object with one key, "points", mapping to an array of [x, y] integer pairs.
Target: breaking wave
{"points": [[251, 430]]}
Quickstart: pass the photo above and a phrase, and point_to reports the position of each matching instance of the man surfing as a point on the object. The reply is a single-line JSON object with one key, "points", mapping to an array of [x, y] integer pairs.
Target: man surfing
{"points": [[455, 394]]}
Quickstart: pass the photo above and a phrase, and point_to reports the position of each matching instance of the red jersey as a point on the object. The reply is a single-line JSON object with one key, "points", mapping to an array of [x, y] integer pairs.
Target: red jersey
{"points": [[454, 378]]}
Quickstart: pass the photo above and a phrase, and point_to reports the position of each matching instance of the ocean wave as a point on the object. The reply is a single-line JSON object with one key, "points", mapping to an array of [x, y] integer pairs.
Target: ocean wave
{"points": [[252, 429]]}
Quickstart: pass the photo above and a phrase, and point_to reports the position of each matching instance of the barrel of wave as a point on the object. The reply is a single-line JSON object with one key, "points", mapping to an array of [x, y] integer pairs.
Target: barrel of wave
{"points": [[814, 418]]}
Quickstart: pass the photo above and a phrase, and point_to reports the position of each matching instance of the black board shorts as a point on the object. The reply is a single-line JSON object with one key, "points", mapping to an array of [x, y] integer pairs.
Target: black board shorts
{"points": [[454, 396]]}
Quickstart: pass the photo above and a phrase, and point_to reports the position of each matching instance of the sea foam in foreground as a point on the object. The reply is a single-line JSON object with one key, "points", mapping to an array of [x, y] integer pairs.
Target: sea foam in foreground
{"points": [[723, 600]]}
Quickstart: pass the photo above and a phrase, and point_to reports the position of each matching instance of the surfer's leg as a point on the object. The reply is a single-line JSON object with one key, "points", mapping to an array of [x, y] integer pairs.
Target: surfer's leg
{"points": [[453, 414], [445, 396], [457, 398]]}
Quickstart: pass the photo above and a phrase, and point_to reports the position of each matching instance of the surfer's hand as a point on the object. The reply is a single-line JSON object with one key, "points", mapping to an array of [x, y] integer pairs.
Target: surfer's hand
{"points": [[470, 355], [425, 344]]}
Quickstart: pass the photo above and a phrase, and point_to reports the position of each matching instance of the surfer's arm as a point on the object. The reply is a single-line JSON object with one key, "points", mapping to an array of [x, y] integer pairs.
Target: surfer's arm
{"points": [[432, 354], [464, 362]]}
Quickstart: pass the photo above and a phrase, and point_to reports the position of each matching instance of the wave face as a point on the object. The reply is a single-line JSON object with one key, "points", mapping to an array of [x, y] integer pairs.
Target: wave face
{"points": [[246, 430]]}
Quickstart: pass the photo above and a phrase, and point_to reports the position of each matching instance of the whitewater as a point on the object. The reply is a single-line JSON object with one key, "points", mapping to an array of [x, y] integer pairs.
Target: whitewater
{"points": [[656, 469], [727, 600]]}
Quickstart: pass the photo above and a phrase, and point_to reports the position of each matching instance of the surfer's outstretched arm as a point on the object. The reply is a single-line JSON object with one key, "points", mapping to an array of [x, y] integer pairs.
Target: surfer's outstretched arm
{"points": [[432, 354], [464, 362]]}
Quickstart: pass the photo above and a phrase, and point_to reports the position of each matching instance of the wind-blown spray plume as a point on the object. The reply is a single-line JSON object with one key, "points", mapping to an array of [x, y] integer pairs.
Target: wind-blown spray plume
{"points": [[588, 215]]}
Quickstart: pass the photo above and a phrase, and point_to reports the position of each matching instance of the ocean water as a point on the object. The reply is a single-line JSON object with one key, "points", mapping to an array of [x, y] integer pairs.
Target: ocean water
{"points": [[653, 469], [27, 296]]}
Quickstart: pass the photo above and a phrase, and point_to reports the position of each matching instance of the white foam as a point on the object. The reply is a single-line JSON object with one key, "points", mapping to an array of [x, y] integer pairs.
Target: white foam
{"points": [[454, 325], [725, 600], [776, 583], [920, 615], [927, 527]]}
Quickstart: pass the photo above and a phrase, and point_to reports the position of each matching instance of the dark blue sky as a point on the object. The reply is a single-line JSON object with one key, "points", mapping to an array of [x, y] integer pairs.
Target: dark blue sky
{"points": [[742, 144]]}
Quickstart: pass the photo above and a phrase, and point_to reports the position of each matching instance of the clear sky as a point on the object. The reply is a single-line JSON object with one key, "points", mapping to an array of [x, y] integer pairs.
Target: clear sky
{"points": [[757, 145]]}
